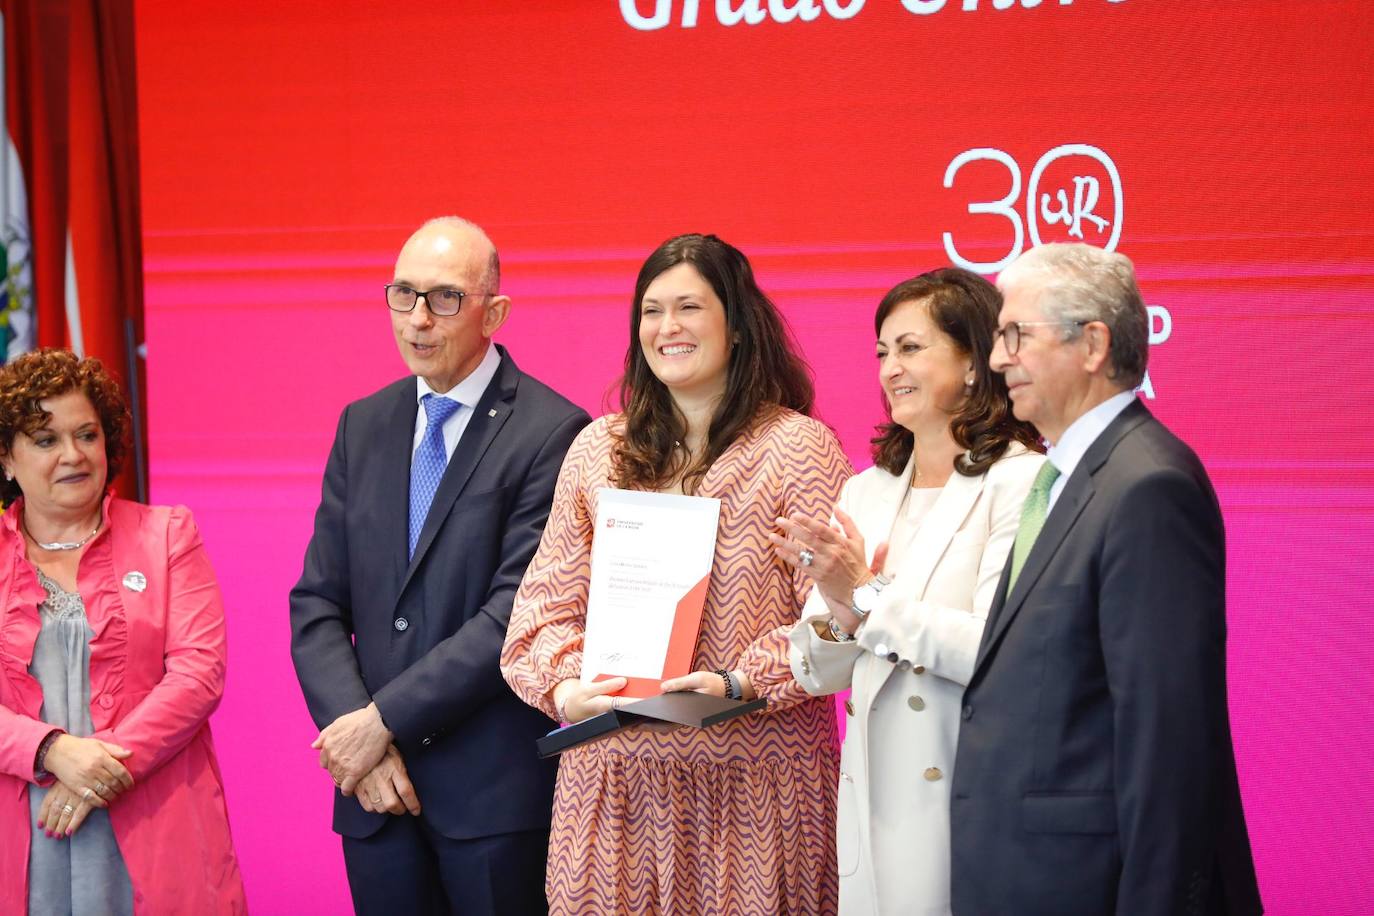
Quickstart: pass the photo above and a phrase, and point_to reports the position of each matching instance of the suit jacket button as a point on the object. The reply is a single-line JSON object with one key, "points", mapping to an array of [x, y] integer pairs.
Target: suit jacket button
{"points": [[918, 669], [106, 701], [904, 665], [916, 703], [893, 657], [933, 774], [849, 706], [402, 624], [880, 650], [967, 713]]}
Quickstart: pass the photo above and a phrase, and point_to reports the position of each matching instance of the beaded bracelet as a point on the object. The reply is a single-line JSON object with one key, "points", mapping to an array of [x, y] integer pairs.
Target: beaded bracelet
{"points": [[735, 692], [40, 771]]}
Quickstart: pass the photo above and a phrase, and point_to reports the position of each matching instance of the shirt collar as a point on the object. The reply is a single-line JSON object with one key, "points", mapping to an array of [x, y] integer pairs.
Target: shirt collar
{"points": [[1083, 432], [469, 391]]}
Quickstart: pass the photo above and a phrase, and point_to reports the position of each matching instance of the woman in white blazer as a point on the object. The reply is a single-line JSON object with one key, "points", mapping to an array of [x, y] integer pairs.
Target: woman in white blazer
{"points": [[905, 574]]}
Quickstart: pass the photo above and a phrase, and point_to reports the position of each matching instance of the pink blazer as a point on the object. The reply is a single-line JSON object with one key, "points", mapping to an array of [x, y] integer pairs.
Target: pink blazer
{"points": [[157, 671]]}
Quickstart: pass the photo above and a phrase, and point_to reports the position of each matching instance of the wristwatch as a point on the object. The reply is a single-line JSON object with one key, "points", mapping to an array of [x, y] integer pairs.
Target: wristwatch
{"points": [[866, 596]]}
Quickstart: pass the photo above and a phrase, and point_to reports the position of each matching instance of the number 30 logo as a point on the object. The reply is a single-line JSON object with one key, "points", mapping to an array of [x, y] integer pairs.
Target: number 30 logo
{"points": [[1074, 208]]}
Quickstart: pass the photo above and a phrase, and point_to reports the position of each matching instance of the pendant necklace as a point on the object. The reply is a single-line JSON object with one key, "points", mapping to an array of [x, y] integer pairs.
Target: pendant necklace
{"points": [[63, 545]]}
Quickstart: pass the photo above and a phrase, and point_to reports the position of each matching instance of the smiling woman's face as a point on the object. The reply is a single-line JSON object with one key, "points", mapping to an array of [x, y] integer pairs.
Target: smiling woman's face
{"points": [[62, 467], [920, 368], [684, 334]]}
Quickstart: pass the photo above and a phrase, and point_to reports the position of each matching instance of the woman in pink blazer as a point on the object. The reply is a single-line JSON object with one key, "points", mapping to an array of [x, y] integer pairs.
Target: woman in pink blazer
{"points": [[111, 660]]}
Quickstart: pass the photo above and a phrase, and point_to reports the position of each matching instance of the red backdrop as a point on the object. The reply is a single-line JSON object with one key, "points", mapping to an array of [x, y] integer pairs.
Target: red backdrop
{"points": [[288, 149]]}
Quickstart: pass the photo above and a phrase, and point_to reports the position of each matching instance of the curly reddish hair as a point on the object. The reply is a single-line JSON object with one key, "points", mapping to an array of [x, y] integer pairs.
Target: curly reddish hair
{"points": [[49, 373]]}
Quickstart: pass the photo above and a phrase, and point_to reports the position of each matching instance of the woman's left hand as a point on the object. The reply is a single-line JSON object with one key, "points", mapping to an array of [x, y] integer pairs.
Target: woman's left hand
{"points": [[707, 682], [62, 811], [837, 554]]}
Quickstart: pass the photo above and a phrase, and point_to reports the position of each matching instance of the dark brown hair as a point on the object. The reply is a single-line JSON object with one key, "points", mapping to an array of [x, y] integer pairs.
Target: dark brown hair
{"points": [[50, 373], [765, 371], [964, 307]]}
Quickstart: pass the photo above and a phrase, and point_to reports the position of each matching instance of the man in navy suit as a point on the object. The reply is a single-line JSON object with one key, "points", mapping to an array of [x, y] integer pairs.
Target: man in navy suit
{"points": [[1095, 771], [434, 500]]}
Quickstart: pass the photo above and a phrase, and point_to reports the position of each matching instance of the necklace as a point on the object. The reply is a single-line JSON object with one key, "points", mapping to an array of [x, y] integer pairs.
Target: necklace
{"points": [[63, 545]]}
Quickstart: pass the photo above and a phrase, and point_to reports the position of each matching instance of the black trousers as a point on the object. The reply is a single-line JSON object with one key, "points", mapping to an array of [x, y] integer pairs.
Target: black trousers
{"points": [[408, 868]]}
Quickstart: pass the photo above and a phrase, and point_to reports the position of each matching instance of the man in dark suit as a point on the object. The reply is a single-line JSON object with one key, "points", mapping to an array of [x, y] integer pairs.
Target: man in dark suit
{"points": [[1094, 771], [434, 500]]}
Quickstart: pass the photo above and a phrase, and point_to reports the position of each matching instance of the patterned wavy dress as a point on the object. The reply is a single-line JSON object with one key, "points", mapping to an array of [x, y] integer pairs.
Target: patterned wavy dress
{"points": [[735, 819]]}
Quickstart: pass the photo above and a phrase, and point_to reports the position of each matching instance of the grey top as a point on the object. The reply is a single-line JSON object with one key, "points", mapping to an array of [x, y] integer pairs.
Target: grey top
{"points": [[84, 874]]}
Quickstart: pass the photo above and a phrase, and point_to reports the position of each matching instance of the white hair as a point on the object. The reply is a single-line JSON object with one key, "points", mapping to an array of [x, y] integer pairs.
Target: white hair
{"points": [[1078, 282]]}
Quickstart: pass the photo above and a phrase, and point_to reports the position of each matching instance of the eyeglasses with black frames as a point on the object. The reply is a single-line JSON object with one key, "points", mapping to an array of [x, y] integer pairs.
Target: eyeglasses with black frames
{"points": [[443, 302], [1011, 332]]}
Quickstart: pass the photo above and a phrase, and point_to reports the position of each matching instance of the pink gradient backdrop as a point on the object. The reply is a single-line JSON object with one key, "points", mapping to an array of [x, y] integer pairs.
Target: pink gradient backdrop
{"points": [[289, 148]]}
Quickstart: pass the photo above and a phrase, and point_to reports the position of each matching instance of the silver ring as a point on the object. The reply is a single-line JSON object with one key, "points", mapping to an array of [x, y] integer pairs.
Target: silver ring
{"points": [[86, 794], [101, 787], [68, 810], [805, 557]]}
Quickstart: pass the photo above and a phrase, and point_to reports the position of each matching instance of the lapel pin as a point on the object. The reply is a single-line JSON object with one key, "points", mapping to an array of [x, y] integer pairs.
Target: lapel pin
{"points": [[492, 412], [135, 581]]}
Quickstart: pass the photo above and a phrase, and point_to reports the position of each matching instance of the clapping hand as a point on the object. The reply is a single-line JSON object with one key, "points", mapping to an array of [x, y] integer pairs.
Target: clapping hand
{"points": [[833, 556]]}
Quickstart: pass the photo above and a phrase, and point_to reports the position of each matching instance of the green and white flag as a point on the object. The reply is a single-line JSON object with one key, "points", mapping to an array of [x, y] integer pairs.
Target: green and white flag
{"points": [[16, 295]]}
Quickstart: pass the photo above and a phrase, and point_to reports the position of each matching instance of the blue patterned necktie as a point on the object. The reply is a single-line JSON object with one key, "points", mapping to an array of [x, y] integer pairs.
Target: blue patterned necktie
{"points": [[428, 463], [1033, 513]]}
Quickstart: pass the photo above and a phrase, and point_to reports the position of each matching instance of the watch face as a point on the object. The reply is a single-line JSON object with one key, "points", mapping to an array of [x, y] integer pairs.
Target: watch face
{"points": [[865, 597]]}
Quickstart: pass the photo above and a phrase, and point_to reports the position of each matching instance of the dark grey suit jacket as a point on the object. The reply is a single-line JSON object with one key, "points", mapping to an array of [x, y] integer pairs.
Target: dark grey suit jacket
{"points": [[422, 638], [1095, 771]]}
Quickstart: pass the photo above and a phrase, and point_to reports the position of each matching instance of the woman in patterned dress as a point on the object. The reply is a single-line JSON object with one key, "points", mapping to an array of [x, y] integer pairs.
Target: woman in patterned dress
{"points": [[738, 818]]}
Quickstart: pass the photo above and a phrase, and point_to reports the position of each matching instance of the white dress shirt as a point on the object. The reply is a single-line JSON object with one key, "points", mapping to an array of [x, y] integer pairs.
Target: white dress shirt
{"points": [[467, 392], [1079, 437]]}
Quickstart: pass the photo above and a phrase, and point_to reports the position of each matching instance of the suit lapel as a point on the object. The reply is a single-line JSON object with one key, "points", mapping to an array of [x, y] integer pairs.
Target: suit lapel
{"points": [[875, 518], [932, 539], [490, 413], [1077, 493], [939, 527], [399, 438]]}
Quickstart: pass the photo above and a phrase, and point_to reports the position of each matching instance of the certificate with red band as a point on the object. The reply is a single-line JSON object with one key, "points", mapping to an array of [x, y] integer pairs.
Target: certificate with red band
{"points": [[651, 565]]}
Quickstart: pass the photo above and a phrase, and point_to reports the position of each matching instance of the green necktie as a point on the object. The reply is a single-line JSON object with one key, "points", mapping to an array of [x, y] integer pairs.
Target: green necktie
{"points": [[1033, 513]]}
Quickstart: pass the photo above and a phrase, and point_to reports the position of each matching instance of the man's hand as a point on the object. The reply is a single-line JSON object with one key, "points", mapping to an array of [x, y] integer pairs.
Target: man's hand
{"points": [[352, 745], [387, 789]]}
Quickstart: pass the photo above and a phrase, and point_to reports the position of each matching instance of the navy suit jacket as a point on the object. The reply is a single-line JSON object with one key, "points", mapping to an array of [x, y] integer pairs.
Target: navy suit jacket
{"points": [[1095, 771], [422, 637]]}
